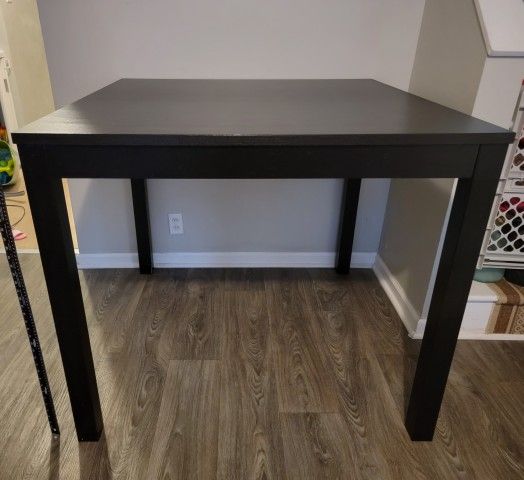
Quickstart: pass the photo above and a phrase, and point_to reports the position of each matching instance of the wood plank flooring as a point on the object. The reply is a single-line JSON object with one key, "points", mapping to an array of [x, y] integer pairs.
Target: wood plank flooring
{"points": [[251, 374]]}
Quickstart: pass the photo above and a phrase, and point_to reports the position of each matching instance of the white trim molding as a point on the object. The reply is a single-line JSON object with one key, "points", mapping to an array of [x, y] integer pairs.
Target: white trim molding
{"points": [[470, 334], [224, 260], [397, 296], [23, 250]]}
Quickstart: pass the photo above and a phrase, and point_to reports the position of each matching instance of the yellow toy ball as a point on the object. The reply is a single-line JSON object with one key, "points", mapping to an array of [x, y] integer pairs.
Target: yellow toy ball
{"points": [[9, 164]]}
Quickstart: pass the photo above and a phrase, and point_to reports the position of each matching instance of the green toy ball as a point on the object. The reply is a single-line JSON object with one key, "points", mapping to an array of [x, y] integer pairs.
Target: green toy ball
{"points": [[8, 164]]}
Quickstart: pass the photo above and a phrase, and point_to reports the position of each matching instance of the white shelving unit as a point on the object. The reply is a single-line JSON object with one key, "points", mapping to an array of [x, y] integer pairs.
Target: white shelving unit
{"points": [[6, 99], [503, 244]]}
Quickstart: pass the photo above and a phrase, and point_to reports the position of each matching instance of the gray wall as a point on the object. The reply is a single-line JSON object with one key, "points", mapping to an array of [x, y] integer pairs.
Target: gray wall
{"points": [[448, 68], [92, 43]]}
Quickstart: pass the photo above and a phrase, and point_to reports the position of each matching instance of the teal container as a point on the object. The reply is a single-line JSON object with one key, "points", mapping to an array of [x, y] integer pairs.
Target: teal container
{"points": [[489, 275]]}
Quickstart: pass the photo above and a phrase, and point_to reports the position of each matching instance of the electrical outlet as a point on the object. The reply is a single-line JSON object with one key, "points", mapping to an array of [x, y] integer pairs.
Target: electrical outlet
{"points": [[176, 225]]}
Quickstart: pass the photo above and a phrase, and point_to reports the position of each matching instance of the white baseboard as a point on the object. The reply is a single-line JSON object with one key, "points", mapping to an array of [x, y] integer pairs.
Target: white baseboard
{"points": [[467, 334], [23, 250], [224, 260], [397, 296]]}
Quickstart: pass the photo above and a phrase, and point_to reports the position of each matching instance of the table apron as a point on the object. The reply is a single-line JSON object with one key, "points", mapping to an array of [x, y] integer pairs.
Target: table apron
{"points": [[143, 161]]}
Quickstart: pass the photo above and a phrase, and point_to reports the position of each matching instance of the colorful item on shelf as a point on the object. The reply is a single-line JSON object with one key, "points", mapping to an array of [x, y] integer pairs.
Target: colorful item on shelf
{"points": [[8, 164], [3, 133], [507, 236]]}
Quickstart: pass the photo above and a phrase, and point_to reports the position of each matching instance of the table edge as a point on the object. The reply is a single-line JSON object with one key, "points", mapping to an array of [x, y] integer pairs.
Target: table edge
{"points": [[86, 139]]}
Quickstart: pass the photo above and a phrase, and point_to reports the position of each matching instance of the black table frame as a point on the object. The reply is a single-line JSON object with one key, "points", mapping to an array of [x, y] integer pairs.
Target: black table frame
{"points": [[477, 167]]}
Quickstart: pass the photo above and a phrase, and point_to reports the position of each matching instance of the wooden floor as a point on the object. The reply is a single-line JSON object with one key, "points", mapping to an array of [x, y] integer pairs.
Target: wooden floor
{"points": [[244, 374], [23, 218]]}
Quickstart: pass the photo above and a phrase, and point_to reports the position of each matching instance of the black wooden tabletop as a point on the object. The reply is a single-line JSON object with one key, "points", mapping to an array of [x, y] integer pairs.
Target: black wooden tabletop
{"points": [[256, 112]]}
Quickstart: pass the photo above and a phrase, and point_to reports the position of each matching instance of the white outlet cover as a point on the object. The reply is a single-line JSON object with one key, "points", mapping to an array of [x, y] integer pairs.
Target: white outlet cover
{"points": [[176, 224]]}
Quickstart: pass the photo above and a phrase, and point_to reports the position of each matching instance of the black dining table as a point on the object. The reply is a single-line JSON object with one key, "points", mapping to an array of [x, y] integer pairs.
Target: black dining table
{"points": [[350, 129]]}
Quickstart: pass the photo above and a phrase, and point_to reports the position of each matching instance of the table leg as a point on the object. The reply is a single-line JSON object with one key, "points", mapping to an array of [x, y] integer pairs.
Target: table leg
{"points": [[348, 217], [48, 208], [142, 228], [469, 215]]}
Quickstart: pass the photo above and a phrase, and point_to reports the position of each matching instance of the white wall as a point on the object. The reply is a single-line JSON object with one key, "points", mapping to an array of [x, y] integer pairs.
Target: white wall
{"points": [[92, 43], [3, 36], [448, 68], [498, 90], [21, 39]]}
